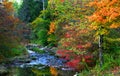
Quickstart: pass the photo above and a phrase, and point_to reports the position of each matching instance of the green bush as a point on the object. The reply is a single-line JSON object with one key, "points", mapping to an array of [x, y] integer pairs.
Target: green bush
{"points": [[52, 40], [10, 47], [40, 28]]}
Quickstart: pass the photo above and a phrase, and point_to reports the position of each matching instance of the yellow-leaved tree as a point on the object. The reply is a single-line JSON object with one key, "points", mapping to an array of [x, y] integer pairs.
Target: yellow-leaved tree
{"points": [[105, 17]]}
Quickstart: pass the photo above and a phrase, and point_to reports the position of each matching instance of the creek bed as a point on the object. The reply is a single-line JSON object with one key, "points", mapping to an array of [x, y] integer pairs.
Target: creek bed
{"points": [[37, 65]]}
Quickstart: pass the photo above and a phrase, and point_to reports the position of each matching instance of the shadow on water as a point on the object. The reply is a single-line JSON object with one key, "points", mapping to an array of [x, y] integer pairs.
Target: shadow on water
{"points": [[32, 71]]}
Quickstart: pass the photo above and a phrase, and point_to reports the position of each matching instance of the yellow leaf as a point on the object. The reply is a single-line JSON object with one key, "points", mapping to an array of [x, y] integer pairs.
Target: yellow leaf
{"points": [[114, 25], [53, 71], [52, 28]]}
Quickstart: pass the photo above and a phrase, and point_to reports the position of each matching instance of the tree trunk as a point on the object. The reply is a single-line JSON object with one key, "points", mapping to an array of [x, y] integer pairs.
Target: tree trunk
{"points": [[101, 50], [43, 1]]}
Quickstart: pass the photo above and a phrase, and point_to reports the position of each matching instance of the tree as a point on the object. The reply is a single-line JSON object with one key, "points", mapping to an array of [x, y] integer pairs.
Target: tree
{"points": [[30, 9], [9, 41], [16, 6], [105, 17], [40, 27], [41, 24], [70, 26]]}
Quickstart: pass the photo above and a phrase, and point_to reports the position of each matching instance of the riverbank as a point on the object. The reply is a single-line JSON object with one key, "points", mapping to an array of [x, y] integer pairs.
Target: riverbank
{"points": [[37, 61]]}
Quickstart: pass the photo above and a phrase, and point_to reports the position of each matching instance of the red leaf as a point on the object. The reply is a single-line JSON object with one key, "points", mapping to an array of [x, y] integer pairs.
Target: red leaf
{"points": [[79, 46], [67, 35], [73, 63]]}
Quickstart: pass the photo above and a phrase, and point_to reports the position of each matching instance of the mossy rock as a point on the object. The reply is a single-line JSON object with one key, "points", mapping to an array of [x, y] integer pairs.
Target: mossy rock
{"points": [[36, 49]]}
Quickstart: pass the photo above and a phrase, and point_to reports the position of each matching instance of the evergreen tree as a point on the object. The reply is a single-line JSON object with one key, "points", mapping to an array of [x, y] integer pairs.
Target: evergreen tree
{"points": [[30, 9]]}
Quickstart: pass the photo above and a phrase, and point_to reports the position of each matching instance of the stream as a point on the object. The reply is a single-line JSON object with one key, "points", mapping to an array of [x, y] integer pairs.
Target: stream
{"points": [[36, 64]]}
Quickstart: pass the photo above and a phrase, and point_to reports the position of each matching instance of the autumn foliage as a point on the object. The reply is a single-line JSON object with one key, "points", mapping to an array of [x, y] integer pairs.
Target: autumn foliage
{"points": [[62, 0], [74, 47], [53, 71], [9, 40], [7, 20], [107, 13], [52, 28], [73, 34]]}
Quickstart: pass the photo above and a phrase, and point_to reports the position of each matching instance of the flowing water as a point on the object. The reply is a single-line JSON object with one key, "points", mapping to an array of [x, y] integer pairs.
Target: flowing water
{"points": [[37, 65]]}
